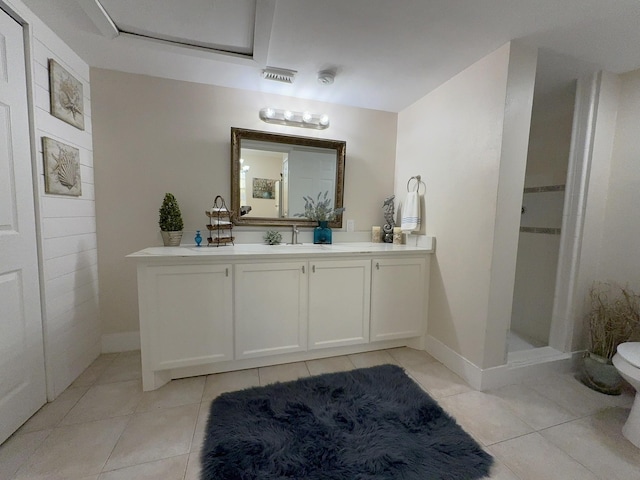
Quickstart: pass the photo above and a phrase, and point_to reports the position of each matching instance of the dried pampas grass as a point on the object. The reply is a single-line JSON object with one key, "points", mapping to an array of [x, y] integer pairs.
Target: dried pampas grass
{"points": [[614, 318]]}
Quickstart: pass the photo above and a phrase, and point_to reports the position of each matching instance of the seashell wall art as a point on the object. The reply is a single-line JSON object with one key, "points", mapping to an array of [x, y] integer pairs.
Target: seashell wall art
{"points": [[65, 92], [61, 168]]}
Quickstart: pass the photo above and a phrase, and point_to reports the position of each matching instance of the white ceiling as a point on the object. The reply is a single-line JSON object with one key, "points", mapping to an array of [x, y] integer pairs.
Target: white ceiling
{"points": [[387, 54], [219, 24]]}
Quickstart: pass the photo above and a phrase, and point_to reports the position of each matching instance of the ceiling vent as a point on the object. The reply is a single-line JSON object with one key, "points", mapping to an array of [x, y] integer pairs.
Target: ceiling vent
{"points": [[279, 74]]}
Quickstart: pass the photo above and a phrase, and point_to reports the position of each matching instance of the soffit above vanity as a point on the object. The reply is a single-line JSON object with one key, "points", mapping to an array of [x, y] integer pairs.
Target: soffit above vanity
{"points": [[219, 25]]}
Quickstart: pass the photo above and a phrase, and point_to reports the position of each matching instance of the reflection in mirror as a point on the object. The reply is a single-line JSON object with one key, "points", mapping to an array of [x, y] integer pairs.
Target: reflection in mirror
{"points": [[271, 173]]}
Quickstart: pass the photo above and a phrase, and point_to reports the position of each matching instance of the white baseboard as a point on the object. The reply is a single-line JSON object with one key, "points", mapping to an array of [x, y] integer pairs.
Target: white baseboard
{"points": [[455, 362], [120, 342], [511, 373], [539, 361]]}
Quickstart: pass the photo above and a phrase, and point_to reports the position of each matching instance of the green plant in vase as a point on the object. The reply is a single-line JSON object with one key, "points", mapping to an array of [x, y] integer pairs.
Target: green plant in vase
{"points": [[322, 212], [272, 237], [170, 221]]}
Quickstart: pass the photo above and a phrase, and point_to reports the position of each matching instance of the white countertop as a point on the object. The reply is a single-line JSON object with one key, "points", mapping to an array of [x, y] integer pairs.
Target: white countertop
{"points": [[248, 250]]}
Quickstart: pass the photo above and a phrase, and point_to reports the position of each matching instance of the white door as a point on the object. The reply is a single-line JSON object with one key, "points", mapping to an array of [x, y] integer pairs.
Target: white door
{"points": [[310, 173], [22, 378]]}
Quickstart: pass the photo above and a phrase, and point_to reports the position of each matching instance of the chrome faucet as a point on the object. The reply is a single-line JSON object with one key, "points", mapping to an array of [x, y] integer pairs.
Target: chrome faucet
{"points": [[294, 235]]}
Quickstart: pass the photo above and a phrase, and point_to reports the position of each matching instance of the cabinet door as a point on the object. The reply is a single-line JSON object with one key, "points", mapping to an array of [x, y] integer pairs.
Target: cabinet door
{"points": [[270, 308], [190, 318], [398, 298], [339, 302]]}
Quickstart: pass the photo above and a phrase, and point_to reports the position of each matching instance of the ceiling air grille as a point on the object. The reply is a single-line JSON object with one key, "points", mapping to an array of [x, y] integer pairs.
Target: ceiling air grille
{"points": [[279, 75]]}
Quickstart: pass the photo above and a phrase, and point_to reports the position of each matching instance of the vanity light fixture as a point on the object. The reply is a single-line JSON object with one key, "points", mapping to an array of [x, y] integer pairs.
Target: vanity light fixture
{"points": [[294, 119]]}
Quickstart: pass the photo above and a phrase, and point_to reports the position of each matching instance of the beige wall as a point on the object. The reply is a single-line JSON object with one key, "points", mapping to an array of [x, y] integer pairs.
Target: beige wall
{"points": [[453, 137], [513, 161], [154, 135], [550, 138], [567, 330], [620, 250]]}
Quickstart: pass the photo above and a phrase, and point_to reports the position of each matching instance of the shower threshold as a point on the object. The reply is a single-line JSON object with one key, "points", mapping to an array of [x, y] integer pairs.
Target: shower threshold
{"points": [[535, 356]]}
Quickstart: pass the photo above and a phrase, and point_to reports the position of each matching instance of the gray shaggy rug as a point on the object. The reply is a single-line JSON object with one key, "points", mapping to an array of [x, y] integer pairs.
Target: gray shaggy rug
{"points": [[370, 423]]}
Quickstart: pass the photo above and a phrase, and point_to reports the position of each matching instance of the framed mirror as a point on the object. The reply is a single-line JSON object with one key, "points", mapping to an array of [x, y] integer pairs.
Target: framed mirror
{"points": [[271, 173]]}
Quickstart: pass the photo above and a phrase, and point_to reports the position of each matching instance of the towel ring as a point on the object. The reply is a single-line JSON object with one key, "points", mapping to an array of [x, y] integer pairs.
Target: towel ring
{"points": [[419, 182]]}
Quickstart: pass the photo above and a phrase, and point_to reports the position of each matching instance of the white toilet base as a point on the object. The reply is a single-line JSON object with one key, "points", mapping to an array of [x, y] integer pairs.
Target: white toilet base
{"points": [[631, 429]]}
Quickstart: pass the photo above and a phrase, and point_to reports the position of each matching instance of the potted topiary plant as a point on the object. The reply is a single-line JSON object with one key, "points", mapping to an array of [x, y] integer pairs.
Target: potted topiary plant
{"points": [[614, 318], [170, 221]]}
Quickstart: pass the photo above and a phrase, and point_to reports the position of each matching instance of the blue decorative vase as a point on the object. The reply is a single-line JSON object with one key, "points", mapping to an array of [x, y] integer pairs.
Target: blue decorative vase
{"points": [[198, 238], [322, 233]]}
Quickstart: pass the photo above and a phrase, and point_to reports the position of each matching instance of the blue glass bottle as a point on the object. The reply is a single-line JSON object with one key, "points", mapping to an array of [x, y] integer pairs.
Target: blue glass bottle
{"points": [[322, 233], [198, 238]]}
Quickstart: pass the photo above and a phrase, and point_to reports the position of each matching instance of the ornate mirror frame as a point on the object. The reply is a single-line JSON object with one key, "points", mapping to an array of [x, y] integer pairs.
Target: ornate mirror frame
{"points": [[239, 134]]}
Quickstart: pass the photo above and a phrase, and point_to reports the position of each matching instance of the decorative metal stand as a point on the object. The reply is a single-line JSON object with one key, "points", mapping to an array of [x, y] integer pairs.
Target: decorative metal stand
{"points": [[220, 225], [388, 212]]}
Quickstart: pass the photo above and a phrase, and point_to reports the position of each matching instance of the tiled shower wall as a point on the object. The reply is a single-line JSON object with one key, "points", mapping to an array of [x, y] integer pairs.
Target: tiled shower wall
{"points": [[541, 219], [538, 249]]}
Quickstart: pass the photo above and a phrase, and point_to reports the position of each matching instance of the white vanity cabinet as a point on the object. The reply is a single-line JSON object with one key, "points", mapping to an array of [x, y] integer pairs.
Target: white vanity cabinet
{"points": [[399, 290], [270, 308], [208, 310], [339, 302], [186, 315]]}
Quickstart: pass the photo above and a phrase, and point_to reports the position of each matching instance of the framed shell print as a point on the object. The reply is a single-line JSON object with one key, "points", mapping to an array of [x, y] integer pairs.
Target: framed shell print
{"points": [[61, 168], [65, 92]]}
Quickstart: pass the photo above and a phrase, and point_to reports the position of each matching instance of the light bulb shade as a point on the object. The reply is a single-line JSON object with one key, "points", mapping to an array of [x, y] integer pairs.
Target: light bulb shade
{"points": [[294, 119]]}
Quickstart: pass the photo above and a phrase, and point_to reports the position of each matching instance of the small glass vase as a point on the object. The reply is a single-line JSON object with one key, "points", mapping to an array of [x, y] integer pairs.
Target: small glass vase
{"points": [[198, 238], [322, 233]]}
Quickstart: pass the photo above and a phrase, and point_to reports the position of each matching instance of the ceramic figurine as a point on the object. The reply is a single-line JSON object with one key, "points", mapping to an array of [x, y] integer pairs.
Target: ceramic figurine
{"points": [[388, 212]]}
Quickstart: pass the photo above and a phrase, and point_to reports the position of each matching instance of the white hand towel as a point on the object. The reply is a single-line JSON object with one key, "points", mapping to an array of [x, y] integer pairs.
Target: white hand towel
{"points": [[217, 221], [411, 213]]}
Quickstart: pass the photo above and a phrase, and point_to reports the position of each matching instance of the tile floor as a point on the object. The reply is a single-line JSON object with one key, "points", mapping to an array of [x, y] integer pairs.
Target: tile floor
{"points": [[103, 427]]}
